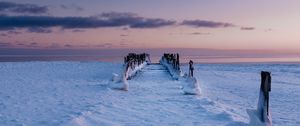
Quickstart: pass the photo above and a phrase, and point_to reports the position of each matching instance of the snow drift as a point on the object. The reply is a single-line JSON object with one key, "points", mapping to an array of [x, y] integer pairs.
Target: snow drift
{"points": [[262, 115], [191, 86], [133, 64], [76, 94], [120, 82]]}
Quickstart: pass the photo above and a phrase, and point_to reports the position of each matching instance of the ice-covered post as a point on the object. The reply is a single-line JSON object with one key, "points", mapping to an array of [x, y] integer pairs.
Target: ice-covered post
{"points": [[265, 87], [263, 101], [191, 68], [177, 62], [262, 116]]}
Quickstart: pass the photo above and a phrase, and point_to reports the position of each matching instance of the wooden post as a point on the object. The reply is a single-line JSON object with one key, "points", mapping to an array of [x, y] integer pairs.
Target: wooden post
{"points": [[177, 62], [265, 86], [191, 70]]}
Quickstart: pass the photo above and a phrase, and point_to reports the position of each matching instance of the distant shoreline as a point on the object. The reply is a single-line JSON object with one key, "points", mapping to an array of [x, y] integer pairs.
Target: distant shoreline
{"points": [[184, 59]]}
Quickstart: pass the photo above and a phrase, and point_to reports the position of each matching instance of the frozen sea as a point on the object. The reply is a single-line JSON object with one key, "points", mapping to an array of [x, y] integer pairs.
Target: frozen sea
{"points": [[64, 93]]}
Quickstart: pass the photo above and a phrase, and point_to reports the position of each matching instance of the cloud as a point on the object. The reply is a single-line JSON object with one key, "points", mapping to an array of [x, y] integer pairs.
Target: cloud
{"points": [[22, 8], [10, 33], [13, 32], [124, 35], [268, 30], [79, 8], [206, 24], [73, 7], [112, 19], [123, 44], [125, 29], [68, 45], [3, 35], [33, 44], [39, 30], [64, 6], [247, 28], [83, 46], [44, 23], [134, 21], [5, 44], [105, 45], [78, 30], [199, 33], [54, 45], [20, 44]]}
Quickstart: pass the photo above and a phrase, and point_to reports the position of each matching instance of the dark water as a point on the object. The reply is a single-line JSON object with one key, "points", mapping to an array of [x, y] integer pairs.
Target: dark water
{"points": [[183, 59]]}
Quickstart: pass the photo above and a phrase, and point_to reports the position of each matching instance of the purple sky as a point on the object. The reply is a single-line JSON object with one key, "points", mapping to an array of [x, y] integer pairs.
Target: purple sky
{"points": [[268, 26]]}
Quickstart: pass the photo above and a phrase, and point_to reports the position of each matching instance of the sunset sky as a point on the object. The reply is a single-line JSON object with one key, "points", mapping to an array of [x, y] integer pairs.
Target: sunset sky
{"points": [[108, 24]]}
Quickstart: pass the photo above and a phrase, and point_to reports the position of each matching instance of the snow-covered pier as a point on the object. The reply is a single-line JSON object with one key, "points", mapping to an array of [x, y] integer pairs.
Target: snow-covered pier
{"points": [[83, 94], [172, 64], [133, 63], [161, 88]]}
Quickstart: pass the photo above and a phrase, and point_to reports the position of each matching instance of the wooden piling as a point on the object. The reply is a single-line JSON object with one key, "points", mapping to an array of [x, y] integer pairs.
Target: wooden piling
{"points": [[191, 68], [265, 86], [133, 60]]}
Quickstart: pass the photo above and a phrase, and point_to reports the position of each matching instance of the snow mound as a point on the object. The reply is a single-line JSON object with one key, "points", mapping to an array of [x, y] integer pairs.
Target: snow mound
{"points": [[132, 72], [88, 119], [255, 120], [262, 115], [191, 86], [116, 78], [120, 82]]}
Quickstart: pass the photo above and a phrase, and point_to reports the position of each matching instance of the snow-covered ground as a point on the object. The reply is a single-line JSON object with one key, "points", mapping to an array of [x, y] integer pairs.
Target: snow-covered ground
{"points": [[50, 93], [77, 93], [235, 87]]}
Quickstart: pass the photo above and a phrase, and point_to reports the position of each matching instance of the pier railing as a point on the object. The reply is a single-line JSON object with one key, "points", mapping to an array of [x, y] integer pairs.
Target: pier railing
{"points": [[172, 63], [134, 62]]}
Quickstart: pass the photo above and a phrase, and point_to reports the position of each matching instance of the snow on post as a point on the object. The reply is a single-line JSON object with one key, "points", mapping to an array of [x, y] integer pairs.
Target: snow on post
{"points": [[171, 62], [133, 63], [192, 86], [262, 116], [191, 68]]}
